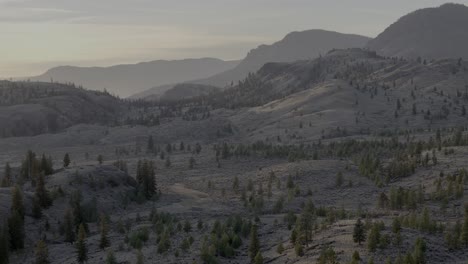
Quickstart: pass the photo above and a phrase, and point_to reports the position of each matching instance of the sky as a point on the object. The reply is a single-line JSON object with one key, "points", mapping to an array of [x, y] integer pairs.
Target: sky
{"points": [[40, 34]]}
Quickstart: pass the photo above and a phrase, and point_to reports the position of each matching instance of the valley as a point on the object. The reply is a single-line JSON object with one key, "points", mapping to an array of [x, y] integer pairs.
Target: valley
{"points": [[322, 148]]}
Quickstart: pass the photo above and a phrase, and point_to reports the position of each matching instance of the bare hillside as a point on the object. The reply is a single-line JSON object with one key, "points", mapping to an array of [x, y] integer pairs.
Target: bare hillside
{"points": [[431, 33]]}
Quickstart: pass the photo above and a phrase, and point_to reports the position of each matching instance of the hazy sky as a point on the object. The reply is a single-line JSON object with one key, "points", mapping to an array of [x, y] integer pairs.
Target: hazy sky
{"points": [[39, 34]]}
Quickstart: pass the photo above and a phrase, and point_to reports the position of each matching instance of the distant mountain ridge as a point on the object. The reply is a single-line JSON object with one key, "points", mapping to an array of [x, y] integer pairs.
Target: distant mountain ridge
{"points": [[302, 45], [127, 79], [299, 45], [432, 33]]}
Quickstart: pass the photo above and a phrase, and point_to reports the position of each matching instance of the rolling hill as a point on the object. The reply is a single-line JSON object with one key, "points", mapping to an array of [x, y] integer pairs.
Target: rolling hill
{"points": [[31, 108], [430, 33]]}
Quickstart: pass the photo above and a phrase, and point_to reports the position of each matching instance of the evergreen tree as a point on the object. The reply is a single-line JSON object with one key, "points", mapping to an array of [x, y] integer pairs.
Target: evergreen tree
{"points": [[396, 225], [104, 241], [110, 258], [191, 162], [82, 251], [258, 258], [78, 215], [4, 244], [140, 258], [328, 256], [359, 233], [68, 227], [235, 184], [6, 181], [17, 201], [46, 165], [374, 238], [419, 251], [305, 224], [16, 230], [339, 179], [464, 234], [187, 226], [42, 195], [36, 208], [150, 146], [66, 160], [254, 247], [29, 166], [146, 178], [280, 248], [42, 253], [356, 258], [299, 249]]}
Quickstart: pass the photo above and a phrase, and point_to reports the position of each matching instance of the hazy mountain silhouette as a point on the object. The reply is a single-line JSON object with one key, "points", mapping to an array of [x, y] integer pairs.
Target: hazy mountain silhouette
{"points": [[295, 46], [128, 79], [432, 33]]}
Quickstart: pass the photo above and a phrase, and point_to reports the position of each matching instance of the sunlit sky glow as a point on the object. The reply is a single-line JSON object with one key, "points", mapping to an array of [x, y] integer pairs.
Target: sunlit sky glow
{"points": [[39, 34]]}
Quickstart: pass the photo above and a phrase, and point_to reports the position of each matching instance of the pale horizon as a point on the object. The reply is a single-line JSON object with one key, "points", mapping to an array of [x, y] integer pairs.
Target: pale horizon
{"points": [[42, 34]]}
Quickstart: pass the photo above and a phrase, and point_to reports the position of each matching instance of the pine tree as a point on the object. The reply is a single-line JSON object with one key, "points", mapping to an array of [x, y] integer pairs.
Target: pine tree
{"points": [[187, 226], [16, 230], [339, 179], [328, 256], [181, 146], [104, 241], [280, 248], [4, 244], [42, 195], [29, 166], [299, 249], [82, 251], [419, 251], [356, 258], [42, 253], [359, 234], [46, 165], [78, 216], [17, 202], [258, 258], [150, 146], [68, 227], [36, 208], [140, 258], [464, 234], [110, 259], [191, 162], [6, 181], [168, 162], [396, 225], [305, 226], [374, 238], [66, 160], [235, 184], [254, 247]]}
